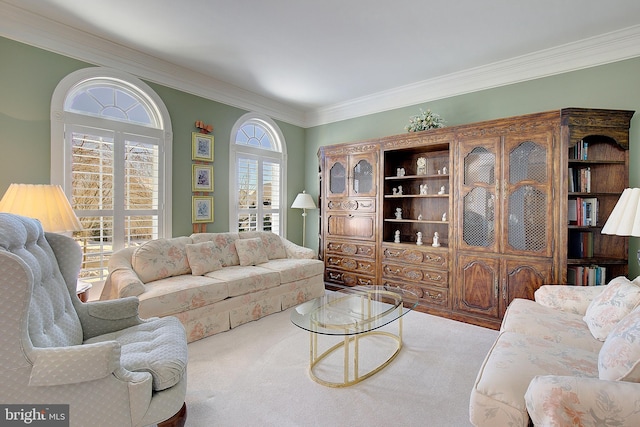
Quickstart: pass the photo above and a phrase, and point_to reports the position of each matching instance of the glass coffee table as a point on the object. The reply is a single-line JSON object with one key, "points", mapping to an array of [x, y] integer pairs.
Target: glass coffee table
{"points": [[353, 313]]}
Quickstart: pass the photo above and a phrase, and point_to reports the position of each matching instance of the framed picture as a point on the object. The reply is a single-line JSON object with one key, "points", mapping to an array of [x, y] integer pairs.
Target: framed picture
{"points": [[202, 147], [201, 177], [201, 209]]}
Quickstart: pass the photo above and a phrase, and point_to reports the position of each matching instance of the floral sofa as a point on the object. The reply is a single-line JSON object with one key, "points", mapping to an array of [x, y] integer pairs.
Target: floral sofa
{"points": [[215, 281], [569, 358]]}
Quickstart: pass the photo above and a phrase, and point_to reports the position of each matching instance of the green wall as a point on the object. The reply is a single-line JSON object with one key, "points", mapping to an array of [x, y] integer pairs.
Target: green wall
{"points": [[28, 79], [27, 82], [615, 86]]}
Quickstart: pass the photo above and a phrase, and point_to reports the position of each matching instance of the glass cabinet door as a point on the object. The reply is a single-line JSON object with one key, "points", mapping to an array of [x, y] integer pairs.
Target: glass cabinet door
{"points": [[337, 182], [528, 223], [362, 177], [479, 186]]}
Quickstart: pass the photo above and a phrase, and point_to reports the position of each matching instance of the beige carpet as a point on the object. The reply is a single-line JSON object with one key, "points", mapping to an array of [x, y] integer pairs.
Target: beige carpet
{"points": [[257, 375]]}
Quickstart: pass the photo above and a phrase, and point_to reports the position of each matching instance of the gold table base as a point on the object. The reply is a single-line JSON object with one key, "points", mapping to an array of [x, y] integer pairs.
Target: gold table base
{"points": [[315, 359]]}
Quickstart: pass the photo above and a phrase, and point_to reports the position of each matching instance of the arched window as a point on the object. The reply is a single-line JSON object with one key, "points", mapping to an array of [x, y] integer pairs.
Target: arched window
{"points": [[111, 153], [257, 175]]}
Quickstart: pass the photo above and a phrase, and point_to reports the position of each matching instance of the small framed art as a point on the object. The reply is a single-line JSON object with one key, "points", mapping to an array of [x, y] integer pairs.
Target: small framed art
{"points": [[201, 147], [201, 177], [201, 209]]}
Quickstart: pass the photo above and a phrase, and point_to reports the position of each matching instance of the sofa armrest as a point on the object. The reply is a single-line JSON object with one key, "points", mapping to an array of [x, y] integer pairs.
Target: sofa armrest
{"points": [[122, 280], [103, 317], [297, 251], [569, 298], [555, 401], [75, 364]]}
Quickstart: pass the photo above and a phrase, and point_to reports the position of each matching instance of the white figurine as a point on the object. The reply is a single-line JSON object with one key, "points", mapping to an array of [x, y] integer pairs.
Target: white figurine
{"points": [[396, 236], [439, 172], [398, 172], [444, 170], [441, 190], [399, 190], [444, 216], [401, 171], [422, 166], [436, 240], [419, 240], [395, 191], [420, 217], [423, 189], [398, 213]]}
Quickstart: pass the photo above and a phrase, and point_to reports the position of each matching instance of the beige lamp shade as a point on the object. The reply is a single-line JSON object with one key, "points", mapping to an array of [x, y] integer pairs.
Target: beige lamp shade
{"points": [[46, 203], [303, 201], [625, 217]]}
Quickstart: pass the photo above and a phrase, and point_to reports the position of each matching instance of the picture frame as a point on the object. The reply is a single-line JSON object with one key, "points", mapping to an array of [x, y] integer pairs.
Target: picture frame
{"points": [[201, 209], [201, 178], [201, 147]]}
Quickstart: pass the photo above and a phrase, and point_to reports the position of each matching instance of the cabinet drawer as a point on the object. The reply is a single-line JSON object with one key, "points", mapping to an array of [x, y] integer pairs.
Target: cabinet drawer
{"points": [[351, 264], [426, 258], [367, 250], [414, 273], [348, 278], [351, 205], [427, 294], [353, 226]]}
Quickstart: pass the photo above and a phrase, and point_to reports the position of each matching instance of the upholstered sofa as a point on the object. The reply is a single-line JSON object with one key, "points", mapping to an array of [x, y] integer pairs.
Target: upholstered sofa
{"points": [[569, 358], [215, 281]]}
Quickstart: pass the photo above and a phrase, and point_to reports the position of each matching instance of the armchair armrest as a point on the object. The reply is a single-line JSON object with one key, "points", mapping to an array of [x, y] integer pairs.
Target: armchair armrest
{"points": [[569, 298], [297, 251], [69, 365], [102, 317], [555, 401]]}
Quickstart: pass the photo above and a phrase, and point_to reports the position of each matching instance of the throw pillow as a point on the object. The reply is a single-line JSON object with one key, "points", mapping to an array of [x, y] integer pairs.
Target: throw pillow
{"points": [[251, 251], [203, 258], [160, 258], [619, 358], [617, 300], [272, 243]]}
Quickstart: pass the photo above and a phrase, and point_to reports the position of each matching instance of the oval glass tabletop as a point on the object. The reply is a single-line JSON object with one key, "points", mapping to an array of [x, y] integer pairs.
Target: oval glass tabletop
{"points": [[353, 310]]}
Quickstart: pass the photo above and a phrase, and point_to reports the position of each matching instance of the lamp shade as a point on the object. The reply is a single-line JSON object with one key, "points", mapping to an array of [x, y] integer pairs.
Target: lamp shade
{"points": [[46, 203], [625, 217], [303, 201]]}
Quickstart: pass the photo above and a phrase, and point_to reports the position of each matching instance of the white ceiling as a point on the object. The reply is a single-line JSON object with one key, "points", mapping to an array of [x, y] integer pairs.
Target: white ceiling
{"points": [[313, 62]]}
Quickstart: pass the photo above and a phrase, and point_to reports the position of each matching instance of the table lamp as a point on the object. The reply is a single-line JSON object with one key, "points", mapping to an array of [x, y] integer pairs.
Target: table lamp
{"points": [[303, 201], [46, 203], [625, 217]]}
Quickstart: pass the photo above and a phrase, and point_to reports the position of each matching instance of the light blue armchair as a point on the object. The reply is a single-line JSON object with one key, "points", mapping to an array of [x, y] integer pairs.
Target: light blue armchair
{"points": [[111, 367]]}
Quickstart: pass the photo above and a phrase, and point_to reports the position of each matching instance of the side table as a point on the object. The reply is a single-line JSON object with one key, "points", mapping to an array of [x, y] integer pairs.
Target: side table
{"points": [[82, 290]]}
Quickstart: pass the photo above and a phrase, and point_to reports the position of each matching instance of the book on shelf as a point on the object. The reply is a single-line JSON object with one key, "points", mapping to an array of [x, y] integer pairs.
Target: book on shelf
{"points": [[579, 180], [580, 244], [593, 275], [579, 151], [583, 211]]}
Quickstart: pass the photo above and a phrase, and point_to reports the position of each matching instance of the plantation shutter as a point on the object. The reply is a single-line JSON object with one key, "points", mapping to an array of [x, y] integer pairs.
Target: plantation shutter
{"points": [[258, 193]]}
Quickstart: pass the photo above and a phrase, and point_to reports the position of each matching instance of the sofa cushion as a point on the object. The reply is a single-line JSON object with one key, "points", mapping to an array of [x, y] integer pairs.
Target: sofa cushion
{"points": [[156, 346], [292, 270], [176, 294], [225, 244], [203, 258], [511, 364], [619, 358], [617, 300], [272, 243], [573, 333], [245, 280], [160, 258], [251, 251]]}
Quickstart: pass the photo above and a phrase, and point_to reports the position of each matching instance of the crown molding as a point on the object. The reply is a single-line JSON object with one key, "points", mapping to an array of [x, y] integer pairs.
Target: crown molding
{"points": [[26, 27], [599, 50]]}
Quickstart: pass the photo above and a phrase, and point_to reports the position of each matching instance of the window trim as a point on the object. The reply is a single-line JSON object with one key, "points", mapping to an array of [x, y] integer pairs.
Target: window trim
{"points": [[234, 149]]}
